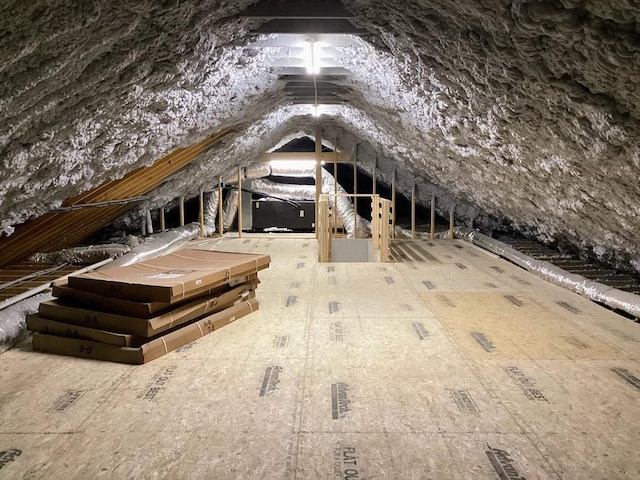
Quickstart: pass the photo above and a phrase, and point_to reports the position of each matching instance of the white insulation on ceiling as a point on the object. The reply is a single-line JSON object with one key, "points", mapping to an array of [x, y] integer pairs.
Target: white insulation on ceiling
{"points": [[522, 111]]}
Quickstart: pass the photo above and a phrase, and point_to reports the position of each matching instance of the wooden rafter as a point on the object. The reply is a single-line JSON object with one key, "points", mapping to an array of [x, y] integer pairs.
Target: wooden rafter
{"points": [[55, 231]]}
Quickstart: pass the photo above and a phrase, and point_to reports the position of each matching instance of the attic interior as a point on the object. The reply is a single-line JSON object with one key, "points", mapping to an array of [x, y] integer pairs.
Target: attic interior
{"points": [[494, 334]]}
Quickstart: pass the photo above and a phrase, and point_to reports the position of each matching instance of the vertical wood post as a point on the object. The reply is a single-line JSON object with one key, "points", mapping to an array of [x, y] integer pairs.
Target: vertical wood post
{"points": [[393, 204], [375, 175], [355, 192], [202, 232], [220, 209], [433, 217], [181, 208], [413, 211], [318, 152], [239, 202], [451, 221]]}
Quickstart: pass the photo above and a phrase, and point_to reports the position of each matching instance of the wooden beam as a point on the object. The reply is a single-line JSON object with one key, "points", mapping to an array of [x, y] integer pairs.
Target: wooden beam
{"points": [[451, 221], [201, 217], [393, 203], [335, 199], [239, 202], [318, 159], [163, 225], [433, 217], [220, 209], [413, 211], [338, 157], [375, 177], [355, 191], [55, 231]]}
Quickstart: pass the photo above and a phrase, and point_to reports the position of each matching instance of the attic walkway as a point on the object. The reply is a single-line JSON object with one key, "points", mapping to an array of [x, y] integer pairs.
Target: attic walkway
{"points": [[449, 364]]}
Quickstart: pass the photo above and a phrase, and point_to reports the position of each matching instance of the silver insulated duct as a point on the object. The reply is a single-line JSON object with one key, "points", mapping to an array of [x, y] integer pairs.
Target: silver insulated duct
{"points": [[598, 292]]}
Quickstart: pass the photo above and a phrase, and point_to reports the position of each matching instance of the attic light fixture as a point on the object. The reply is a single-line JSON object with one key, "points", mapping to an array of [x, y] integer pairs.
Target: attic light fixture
{"points": [[312, 56]]}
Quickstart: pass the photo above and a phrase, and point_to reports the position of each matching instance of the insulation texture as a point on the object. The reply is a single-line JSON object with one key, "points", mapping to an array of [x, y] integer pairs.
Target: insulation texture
{"points": [[527, 112]]}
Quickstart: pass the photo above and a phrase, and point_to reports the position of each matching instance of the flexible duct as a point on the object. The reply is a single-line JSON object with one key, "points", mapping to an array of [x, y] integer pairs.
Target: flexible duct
{"points": [[284, 190], [81, 255], [210, 212], [346, 214], [14, 310], [257, 170], [598, 292], [285, 169], [345, 211], [230, 208], [13, 325], [159, 244]]}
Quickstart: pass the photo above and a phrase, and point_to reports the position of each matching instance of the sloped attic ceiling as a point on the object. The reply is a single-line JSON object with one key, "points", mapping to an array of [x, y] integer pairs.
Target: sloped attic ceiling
{"points": [[525, 110]]}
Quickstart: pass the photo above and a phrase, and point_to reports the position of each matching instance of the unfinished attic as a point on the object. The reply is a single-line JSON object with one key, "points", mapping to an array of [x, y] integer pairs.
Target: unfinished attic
{"points": [[320, 239]]}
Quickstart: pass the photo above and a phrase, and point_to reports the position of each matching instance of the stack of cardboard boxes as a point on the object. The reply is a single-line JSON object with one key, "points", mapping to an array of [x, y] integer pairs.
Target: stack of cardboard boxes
{"points": [[138, 313]]}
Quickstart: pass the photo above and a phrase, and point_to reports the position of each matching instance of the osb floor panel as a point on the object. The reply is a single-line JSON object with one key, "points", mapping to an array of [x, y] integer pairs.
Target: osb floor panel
{"points": [[452, 365]]}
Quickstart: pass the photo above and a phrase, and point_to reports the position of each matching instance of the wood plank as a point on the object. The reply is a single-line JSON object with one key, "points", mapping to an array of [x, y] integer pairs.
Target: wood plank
{"points": [[55, 231]]}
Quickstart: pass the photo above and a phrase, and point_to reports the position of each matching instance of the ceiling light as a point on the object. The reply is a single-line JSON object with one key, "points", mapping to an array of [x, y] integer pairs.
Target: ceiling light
{"points": [[312, 57]]}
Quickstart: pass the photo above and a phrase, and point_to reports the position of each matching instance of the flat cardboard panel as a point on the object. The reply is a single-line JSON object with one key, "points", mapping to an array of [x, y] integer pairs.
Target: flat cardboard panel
{"points": [[56, 310], [149, 351], [36, 323], [101, 303], [171, 278]]}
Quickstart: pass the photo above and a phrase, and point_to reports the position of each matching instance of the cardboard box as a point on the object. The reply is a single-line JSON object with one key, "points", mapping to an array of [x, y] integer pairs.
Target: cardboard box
{"points": [[171, 278], [36, 323], [93, 301], [149, 351], [142, 327]]}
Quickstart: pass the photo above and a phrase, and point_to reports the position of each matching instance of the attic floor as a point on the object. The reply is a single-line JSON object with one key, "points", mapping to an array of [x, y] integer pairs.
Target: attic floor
{"points": [[447, 364]]}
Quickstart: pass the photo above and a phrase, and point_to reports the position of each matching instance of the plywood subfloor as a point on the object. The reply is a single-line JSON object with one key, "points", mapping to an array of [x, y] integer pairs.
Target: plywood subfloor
{"points": [[447, 364]]}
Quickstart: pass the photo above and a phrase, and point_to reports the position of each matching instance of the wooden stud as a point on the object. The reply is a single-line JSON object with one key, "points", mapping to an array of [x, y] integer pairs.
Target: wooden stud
{"points": [[202, 231], [163, 224], [355, 192], [393, 203], [433, 217], [239, 202], [375, 176], [451, 221], [318, 159], [335, 198], [220, 209], [413, 211]]}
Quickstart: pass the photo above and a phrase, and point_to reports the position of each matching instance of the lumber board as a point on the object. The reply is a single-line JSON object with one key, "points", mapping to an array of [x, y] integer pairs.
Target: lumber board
{"points": [[56, 231]]}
